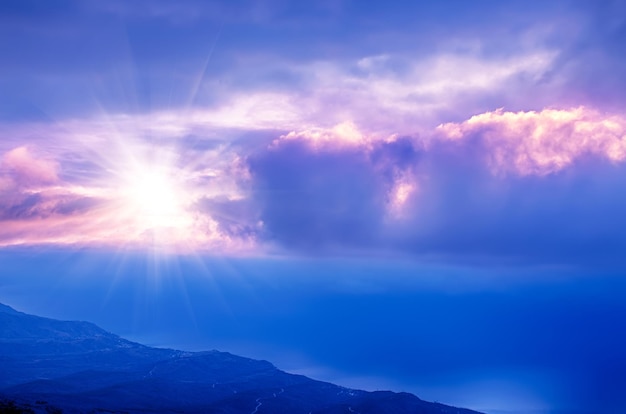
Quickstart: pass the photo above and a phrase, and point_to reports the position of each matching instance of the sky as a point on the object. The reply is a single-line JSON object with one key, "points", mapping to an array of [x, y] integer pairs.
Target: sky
{"points": [[407, 195]]}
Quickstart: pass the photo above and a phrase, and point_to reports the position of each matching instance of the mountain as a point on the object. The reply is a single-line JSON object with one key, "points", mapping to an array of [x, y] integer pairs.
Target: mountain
{"points": [[52, 366]]}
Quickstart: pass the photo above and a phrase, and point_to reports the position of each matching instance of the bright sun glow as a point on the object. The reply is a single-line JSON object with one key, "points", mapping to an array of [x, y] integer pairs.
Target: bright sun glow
{"points": [[156, 199], [154, 195]]}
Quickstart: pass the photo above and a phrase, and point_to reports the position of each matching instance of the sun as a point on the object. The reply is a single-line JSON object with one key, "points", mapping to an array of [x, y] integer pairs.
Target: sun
{"points": [[154, 195], [156, 198]]}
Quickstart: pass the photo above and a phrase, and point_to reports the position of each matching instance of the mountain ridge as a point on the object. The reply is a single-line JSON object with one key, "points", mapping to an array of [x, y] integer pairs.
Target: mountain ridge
{"points": [[76, 366]]}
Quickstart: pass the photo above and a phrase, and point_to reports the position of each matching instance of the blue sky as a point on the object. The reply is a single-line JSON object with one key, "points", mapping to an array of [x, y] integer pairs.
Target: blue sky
{"points": [[411, 195]]}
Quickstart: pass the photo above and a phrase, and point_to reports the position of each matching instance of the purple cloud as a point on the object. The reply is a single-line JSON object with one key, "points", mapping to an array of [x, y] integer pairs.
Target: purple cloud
{"points": [[505, 185]]}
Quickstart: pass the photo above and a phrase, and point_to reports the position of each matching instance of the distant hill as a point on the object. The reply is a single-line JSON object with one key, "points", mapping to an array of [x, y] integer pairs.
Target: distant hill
{"points": [[51, 366]]}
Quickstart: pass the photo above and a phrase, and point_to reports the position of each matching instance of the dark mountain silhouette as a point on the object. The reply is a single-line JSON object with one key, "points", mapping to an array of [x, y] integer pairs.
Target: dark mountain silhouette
{"points": [[51, 366]]}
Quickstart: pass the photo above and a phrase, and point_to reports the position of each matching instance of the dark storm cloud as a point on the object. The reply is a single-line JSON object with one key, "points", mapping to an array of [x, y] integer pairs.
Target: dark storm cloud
{"points": [[338, 199], [569, 216], [317, 200]]}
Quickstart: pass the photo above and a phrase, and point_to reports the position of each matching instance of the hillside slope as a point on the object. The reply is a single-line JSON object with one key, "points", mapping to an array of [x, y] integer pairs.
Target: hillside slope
{"points": [[60, 366]]}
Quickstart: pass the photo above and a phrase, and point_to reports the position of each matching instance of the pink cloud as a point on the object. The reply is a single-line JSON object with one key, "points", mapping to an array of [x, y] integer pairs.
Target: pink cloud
{"points": [[524, 143], [540, 143], [26, 170], [27, 185], [340, 137]]}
